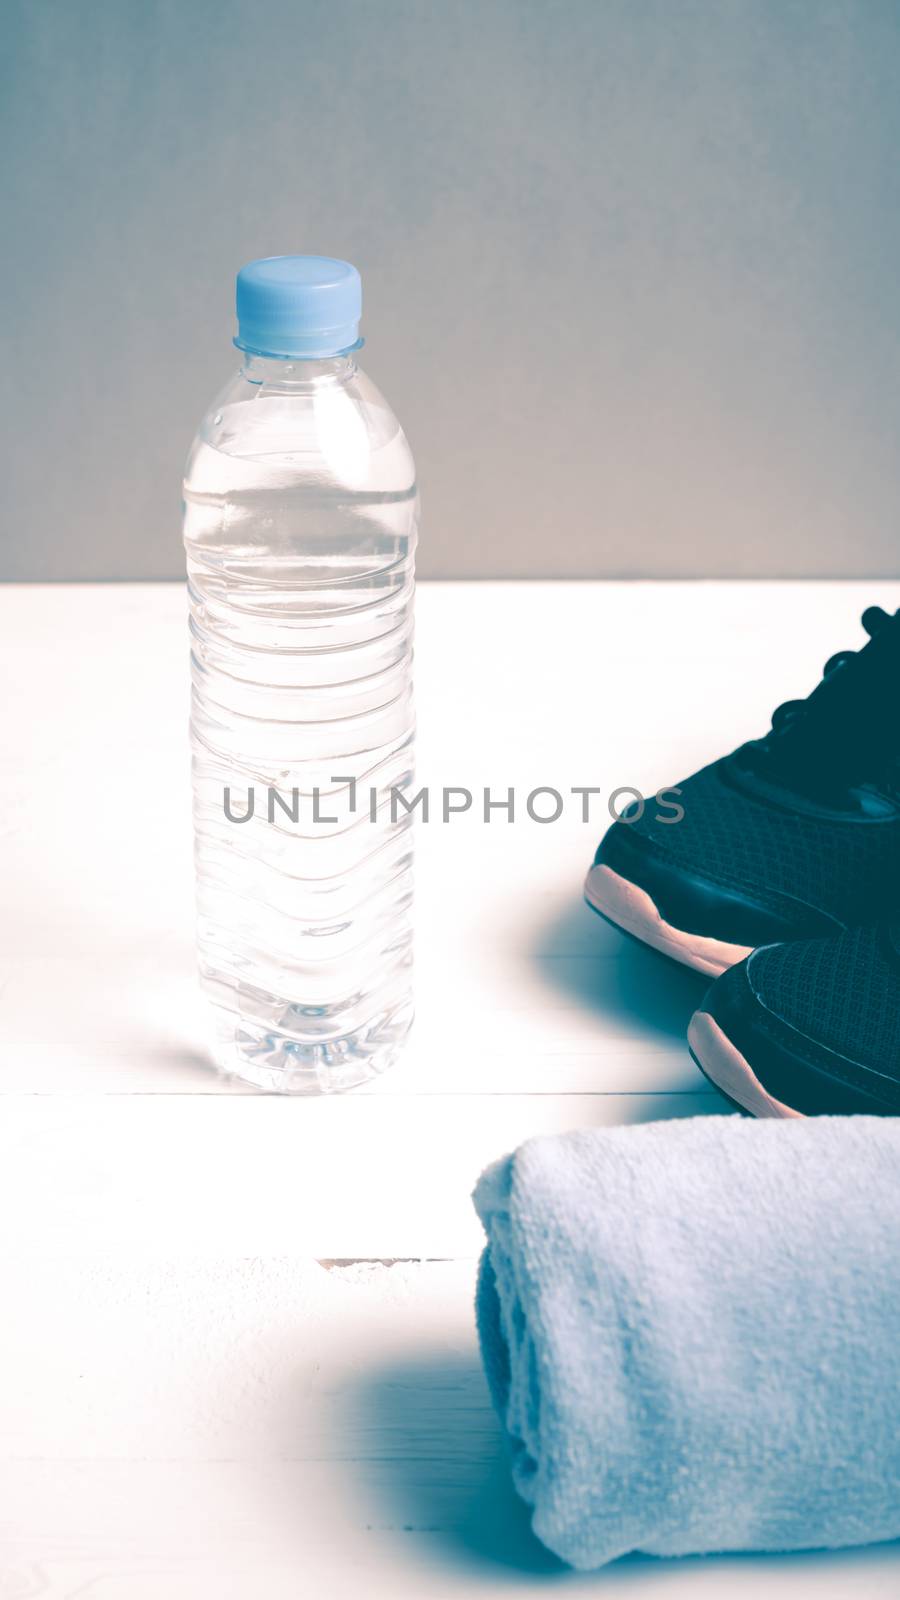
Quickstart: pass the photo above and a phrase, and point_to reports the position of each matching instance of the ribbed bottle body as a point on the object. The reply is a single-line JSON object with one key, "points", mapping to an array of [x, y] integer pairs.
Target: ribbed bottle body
{"points": [[300, 529]]}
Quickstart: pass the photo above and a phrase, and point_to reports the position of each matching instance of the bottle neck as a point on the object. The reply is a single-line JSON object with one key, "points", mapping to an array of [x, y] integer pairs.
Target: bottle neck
{"points": [[298, 374]]}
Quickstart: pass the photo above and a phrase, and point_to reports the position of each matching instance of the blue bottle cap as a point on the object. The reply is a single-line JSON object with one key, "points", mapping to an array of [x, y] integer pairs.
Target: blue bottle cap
{"points": [[306, 307]]}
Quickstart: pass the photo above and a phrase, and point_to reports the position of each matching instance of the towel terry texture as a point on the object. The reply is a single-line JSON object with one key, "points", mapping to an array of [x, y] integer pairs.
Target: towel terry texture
{"points": [[691, 1331]]}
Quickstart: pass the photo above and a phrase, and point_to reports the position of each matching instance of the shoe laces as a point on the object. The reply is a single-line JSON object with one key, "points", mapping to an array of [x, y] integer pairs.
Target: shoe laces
{"points": [[848, 729], [874, 619]]}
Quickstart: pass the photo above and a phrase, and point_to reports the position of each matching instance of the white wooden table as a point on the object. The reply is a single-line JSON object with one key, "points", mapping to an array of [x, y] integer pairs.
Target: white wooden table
{"points": [[238, 1350]]}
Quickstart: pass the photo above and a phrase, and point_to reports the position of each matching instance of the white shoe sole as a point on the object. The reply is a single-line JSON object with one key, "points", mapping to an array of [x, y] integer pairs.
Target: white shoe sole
{"points": [[726, 1068], [631, 909]]}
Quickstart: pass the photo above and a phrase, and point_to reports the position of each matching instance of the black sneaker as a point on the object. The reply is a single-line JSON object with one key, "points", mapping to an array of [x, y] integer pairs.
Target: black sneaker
{"points": [[792, 836], [807, 1028]]}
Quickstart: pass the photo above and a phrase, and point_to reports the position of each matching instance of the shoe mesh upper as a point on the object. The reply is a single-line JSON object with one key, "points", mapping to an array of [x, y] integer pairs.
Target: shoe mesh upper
{"points": [[849, 869], [843, 993]]}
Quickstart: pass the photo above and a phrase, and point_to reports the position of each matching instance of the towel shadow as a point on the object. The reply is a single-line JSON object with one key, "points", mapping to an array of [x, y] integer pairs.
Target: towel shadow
{"points": [[433, 1462]]}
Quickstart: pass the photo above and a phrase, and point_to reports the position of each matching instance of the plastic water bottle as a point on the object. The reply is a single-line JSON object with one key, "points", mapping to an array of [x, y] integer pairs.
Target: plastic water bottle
{"points": [[300, 519]]}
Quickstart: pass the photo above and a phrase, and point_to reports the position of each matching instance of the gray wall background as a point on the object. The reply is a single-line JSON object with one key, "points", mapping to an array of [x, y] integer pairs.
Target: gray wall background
{"points": [[631, 267]]}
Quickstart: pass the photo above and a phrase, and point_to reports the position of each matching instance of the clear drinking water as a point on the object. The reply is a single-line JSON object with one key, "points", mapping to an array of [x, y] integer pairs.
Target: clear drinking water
{"points": [[300, 518]]}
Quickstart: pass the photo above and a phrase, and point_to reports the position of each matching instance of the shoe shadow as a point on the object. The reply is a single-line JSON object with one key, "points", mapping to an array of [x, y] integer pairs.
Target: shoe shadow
{"points": [[613, 974], [633, 991]]}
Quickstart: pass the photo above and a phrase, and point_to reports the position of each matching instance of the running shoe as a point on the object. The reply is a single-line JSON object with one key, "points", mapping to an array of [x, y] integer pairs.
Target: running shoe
{"points": [[807, 1028], [792, 836]]}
